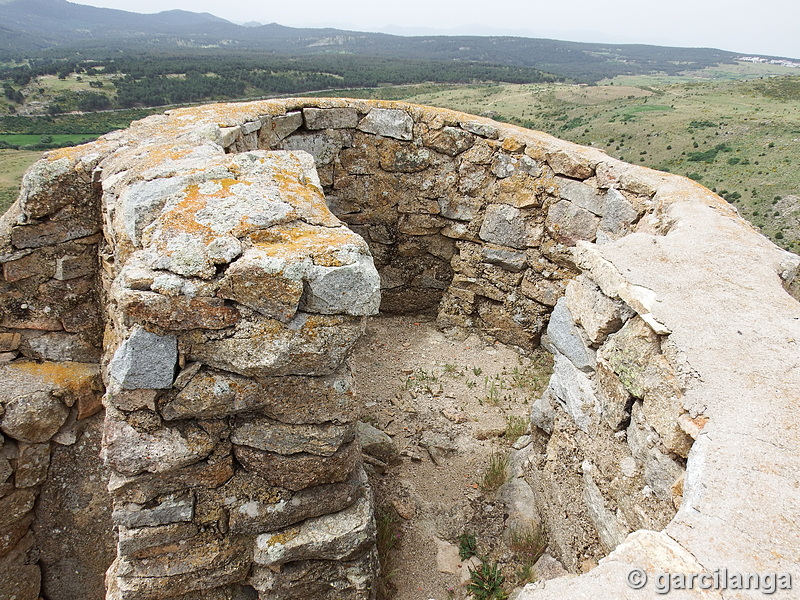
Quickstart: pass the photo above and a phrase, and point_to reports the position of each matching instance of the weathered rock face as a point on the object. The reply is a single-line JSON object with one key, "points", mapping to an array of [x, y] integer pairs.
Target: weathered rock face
{"points": [[237, 249]]}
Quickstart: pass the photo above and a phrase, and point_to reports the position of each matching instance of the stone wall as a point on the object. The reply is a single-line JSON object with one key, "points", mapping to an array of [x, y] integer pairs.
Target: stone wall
{"points": [[241, 247], [50, 383]]}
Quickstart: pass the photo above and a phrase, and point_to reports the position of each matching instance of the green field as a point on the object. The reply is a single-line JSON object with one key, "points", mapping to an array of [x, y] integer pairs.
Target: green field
{"points": [[51, 83], [13, 164], [21, 139], [741, 139]]}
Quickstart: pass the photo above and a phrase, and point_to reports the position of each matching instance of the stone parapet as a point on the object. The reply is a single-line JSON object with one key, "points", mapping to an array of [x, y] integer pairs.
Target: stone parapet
{"points": [[213, 266]]}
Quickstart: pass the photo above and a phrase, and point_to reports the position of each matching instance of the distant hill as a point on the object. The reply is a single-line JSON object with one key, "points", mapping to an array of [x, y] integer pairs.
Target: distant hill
{"points": [[31, 28]]}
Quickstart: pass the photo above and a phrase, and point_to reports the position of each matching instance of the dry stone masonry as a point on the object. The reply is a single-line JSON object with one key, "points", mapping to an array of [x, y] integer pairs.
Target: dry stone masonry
{"points": [[190, 290]]}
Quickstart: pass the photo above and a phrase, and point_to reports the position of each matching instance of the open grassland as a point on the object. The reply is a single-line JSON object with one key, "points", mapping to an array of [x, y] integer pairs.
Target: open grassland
{"points": [[739, 138], [72, 83], [13, 164], [734, 128]]}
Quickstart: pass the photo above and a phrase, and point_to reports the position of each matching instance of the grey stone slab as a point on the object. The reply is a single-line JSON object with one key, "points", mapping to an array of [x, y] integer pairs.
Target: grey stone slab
{"points": [[619, 213], [574, 391], [169, 510], [482, 129], [322, 147], [565, 337], [582, 195], [510, 260], [504, 225], [504, 166], [542, 412], [145, 361], [142, 201], [333, 537], [568, 223], [660, 471], [330, 118], [71, 267], [605, 521], [459, 208], [352, 289], [388, 122], [274, 436]]}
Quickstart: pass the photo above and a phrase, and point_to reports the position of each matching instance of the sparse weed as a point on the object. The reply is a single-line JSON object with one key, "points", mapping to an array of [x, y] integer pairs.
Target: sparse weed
{"points": [[388, 531], [528, 543], [477, 371], [493, 388], [423, 380], [486, 582], [424, 376], [496, 473], [515, 427], [452, 370], [526, 574]]}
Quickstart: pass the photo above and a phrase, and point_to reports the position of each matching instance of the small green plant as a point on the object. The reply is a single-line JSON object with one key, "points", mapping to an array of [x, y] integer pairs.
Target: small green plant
{"points": [[486, 582], [467, 546], [519, 377], [477, 371], [496, 472], [515, 427], [451, 370], [423, 376], [493, 388], [423, 380]]}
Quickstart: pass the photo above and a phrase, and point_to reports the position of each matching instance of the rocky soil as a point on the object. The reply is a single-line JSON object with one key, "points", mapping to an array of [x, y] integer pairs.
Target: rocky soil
{"points": [[451, 408]]}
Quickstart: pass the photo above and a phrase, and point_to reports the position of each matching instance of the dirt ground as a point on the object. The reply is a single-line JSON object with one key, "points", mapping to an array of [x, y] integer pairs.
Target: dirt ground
{"points": [[450, 407]]}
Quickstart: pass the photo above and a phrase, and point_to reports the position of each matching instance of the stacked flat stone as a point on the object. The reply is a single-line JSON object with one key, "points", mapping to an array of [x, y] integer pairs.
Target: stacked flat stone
{"points": [[230, 414]]}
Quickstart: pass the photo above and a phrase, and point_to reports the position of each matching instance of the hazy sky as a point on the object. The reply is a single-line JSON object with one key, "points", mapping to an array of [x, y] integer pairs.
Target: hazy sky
{"points": [[763, 27]]}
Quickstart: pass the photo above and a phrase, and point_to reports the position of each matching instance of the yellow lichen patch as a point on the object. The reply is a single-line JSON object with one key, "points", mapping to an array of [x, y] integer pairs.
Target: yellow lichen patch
{"points": [[182, 217], [165, 158], [155, 156], [76, 377], [283, 537], [299, 239], [314, 322], [305, 197], [230, 115], [74, 153]]}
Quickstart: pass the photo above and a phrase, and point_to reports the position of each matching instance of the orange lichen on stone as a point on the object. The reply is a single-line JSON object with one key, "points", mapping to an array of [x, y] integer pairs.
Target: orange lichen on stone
{"points": [[305, 197], [155, 156], [74, 376], [321, 244], [230, 115], [182, 217], [75, 153]]}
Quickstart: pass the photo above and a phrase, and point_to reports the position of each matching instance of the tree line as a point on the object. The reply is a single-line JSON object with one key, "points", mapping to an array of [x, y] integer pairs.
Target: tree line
{"points": [[154, 80]]}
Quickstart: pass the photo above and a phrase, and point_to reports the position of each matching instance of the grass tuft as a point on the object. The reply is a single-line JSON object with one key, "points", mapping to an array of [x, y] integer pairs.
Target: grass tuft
{"points": [[496, 473]]}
